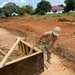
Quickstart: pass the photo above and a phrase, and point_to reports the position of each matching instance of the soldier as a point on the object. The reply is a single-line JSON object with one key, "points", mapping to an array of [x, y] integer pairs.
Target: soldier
{"points": [[47, 40]]}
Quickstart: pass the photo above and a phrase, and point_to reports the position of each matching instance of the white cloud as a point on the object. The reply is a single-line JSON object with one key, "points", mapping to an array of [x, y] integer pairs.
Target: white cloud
{"points": [[53, 0], [17, 1], [20, 1], [3, 4], [31, 2]]}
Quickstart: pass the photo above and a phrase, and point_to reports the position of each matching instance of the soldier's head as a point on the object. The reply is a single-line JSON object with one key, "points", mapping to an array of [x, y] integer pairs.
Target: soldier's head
{"points": [[56, 31]]}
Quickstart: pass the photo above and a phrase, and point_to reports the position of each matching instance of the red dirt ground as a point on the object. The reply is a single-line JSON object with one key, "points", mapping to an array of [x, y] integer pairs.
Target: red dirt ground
{"points": [[35, 28], [31, 28]]}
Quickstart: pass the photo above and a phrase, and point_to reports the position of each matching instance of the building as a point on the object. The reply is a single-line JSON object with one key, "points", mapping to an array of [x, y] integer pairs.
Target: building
{"points": [[57, 9], [14, 14], [2, 15]]}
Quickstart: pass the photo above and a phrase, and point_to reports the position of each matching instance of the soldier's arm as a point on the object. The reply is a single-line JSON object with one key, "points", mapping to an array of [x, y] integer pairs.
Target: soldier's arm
{"points": [[52, 43]]}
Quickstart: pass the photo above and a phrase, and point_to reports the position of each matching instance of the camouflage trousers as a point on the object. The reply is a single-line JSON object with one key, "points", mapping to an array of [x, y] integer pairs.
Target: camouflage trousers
{"points": [[45, 47]]}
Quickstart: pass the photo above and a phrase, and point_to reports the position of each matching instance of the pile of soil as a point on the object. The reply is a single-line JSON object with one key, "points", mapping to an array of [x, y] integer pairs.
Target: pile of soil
{"points": [[27, 15], [65, 19]]}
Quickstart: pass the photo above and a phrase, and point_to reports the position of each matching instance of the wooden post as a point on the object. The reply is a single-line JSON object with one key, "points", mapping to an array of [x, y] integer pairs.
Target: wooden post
{"points": [[8, 54], [20, 47], [23, 49], [27, 50]]}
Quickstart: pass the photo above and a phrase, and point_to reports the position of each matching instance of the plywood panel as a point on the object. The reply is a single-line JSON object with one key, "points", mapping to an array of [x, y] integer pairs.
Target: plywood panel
{"points": [[29, 66]]}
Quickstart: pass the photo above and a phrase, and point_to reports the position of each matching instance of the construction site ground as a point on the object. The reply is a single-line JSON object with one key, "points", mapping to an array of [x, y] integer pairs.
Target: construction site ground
{"points": [[30, 29]]}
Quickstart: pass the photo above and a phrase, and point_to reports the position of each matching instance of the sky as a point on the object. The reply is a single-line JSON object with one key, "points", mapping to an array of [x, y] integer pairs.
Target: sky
{"points": [[30, 2]]}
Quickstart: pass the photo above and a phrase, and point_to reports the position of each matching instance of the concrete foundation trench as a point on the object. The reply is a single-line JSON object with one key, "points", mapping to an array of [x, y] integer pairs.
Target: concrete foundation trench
{"points": [[23, 63]]}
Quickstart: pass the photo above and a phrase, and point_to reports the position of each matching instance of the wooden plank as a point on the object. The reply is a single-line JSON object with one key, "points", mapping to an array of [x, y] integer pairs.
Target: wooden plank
{"points": [[20, 48], [35, 48], [27, 50], [23, 49], [19, 45], [2, 46], [25, 66], [19, 59], [1, 51], [8, 54]]}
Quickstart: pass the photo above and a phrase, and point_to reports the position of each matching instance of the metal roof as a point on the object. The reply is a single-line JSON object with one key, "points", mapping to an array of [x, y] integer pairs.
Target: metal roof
{"points": [[57, 8]]}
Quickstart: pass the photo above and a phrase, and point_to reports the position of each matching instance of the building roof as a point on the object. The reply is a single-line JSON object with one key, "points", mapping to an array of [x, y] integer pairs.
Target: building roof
{"points": [[56, 8]]}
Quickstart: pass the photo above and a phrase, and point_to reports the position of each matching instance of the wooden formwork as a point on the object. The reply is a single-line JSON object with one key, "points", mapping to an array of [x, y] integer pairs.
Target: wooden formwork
{"points": [[32, 63]]}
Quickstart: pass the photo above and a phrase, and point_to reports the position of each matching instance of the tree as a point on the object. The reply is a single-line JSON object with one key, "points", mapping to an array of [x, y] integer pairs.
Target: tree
{"points": [[29, 9], [43, 7], [70, 5], [61, 5], [21, 11], [10, 8], [25, 9], [0, 10]]}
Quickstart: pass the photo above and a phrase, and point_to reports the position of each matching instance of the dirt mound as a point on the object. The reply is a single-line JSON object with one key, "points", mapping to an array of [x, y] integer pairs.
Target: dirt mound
{"points": [[65, 19], [27, 15]]}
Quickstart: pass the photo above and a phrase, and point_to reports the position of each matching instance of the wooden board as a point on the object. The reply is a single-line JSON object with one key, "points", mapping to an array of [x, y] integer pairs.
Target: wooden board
{"points": [[29, 65]]}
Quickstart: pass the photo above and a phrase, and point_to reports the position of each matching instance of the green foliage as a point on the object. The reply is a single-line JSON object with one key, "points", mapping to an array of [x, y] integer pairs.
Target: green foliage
{"points": [[25, 9], [61, 5], [10, 8], [21, 11], [70, 5], [43, 7], [0, 10], [29, 9]]}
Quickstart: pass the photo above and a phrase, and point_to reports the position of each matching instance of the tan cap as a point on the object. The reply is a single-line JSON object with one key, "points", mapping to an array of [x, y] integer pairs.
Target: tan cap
{"points": [[56, 30]]}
